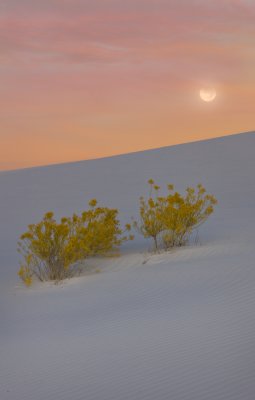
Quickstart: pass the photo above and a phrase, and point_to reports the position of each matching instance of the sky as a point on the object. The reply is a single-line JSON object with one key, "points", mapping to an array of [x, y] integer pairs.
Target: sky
{"points": [[82, 79]]}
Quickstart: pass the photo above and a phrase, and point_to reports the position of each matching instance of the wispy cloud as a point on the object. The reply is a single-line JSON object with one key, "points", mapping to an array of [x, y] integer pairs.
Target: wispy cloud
{"points": [[119, 31]]}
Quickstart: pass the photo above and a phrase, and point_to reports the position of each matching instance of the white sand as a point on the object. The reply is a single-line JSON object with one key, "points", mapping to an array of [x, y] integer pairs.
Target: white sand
{"points": [[176, 326]]}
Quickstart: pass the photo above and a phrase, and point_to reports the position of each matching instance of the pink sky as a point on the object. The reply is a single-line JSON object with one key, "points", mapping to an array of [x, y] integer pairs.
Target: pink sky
{"points": [[85, 79]]}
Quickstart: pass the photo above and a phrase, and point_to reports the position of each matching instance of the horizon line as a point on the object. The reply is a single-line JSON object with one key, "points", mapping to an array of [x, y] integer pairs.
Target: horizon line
{"points": [[125, 154]]}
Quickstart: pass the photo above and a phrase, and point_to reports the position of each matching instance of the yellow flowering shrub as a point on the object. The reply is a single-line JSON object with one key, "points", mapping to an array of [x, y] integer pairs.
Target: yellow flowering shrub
{"points": [[151, 224], [170, 220], [52, 250]]}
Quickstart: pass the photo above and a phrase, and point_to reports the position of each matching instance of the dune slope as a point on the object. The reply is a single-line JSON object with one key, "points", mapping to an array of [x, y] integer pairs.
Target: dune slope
{"points": [[170, 326]]}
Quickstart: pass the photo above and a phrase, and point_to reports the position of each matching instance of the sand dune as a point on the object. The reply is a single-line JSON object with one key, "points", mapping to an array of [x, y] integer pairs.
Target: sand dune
{"points": [[177, 325]]}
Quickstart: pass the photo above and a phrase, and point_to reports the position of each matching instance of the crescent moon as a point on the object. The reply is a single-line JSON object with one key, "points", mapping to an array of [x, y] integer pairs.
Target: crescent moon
{"points": [[208, 94]]}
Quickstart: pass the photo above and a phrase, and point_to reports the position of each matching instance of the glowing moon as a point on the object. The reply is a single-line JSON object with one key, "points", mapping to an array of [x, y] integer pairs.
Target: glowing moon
{"points": [[208, 94]]}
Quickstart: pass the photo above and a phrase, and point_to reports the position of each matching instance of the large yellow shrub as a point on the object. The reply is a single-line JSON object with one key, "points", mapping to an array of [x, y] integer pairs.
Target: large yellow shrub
{"points": [[170, 220], [53, 251]]}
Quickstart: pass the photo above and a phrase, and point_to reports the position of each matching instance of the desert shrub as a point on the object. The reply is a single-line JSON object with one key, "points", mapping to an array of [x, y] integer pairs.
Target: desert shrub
{"points": [[170, 220], [183, 214], [52, 250], [151, 209]]}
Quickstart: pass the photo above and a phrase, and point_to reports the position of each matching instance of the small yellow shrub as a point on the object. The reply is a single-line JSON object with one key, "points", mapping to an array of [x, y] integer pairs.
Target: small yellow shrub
{"points": [[151, 224], [53, 251], [182, 214], [170, 220]]}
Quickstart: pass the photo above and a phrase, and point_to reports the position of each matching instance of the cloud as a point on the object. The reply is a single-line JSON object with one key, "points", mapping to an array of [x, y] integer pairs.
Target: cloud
{"points": [[110, 30]]}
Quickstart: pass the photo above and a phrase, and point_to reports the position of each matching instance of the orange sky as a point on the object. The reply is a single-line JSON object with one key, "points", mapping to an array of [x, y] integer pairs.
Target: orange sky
{"points": [[83, 79]]}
